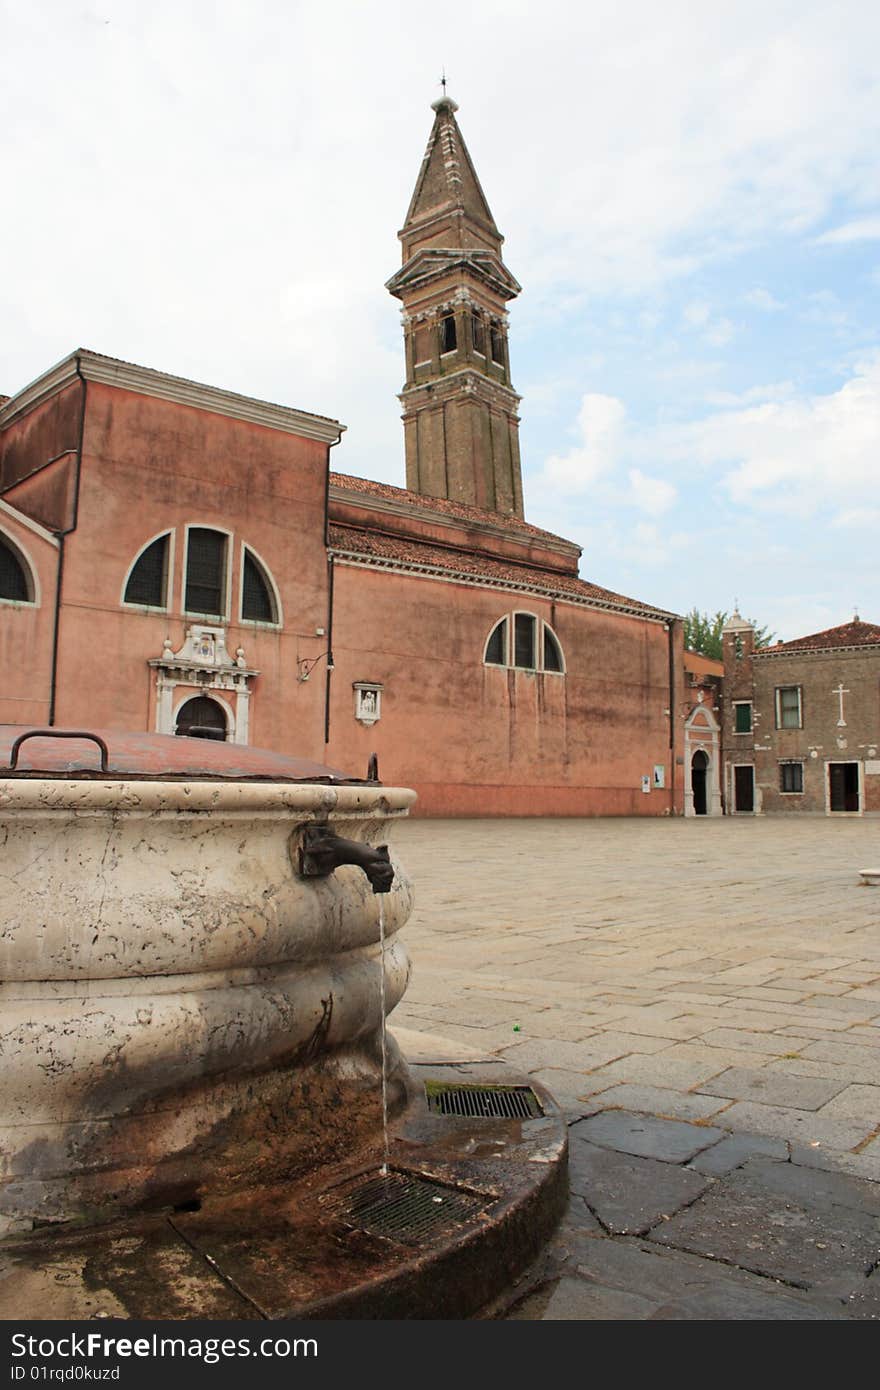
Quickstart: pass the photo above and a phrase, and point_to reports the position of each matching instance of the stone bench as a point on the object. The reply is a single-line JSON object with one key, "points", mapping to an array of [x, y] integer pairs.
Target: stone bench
{"points": [[870, 878]]}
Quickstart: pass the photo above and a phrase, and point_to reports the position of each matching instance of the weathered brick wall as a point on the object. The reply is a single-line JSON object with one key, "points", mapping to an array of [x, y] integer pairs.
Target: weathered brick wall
{"points": [[829, 732]]}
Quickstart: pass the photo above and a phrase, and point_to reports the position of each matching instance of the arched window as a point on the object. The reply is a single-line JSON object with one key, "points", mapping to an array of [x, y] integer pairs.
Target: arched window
{"points": [[496, 647], [258, 604], [147, 583], [552, 651], [201, 717], [525, 642], [15, 576], [205, 591]]}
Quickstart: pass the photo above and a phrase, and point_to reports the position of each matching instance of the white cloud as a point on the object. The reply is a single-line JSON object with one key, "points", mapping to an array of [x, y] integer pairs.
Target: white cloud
{"points": [[772, 391], [715, 331], [600, 424], [798, 454], [859, 518], [651, 495], [863, 229], [760, 298], [696, 314]]}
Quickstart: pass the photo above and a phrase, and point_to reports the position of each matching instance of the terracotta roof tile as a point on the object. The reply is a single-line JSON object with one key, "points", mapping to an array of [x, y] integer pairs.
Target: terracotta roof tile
{"points": [[851, 634], [461, 511], [382, 547]]}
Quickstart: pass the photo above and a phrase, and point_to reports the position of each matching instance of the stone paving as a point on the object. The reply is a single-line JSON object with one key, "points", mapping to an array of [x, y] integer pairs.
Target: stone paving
{"points": [[703, 1000]]}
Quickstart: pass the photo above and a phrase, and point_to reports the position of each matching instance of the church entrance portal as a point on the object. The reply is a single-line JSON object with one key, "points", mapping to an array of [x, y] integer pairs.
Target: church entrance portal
{"points": [[201, 718], [699, 770]]}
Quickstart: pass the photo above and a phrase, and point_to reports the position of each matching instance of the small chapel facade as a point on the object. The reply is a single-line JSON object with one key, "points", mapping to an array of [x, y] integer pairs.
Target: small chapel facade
{"points": [[180, 558], [802, 721]]}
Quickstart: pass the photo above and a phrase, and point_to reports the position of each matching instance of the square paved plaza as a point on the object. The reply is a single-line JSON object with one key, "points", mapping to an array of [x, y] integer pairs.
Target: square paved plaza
{"points": [[722, 972]]}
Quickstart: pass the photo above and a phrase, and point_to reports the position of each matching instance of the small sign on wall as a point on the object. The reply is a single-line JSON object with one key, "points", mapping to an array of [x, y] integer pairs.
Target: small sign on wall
{"points": [[659, 775], [646, 783]]}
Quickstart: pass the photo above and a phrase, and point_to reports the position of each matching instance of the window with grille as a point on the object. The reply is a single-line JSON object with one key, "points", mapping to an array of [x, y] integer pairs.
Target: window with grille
{"points": [[552, 651], [496, 647], [478, 333], [742, 717], [791, 777], [523, 641], [14, 577], [789, 714], [206, 572], [148, 580], [257, 600], [497, 342]]}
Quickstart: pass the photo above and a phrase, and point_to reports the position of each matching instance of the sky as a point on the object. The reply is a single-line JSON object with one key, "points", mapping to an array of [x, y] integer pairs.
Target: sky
{"points": [[690, 198]]}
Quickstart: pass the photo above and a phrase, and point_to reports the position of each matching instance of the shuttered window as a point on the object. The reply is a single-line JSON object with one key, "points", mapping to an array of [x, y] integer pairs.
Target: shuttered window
{"points": [[13, 576], [147, 583], [257, 604], [496, 647], [206, 572]]}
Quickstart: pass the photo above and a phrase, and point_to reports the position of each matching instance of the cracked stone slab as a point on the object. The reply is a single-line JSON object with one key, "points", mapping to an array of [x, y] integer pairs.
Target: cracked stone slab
{"points": [[692, 1287], [630, 1195], [865, 1164], [579, 1300], [742, 1221], [816, 1187], [772, 1088], [672, 1141], [736, 1150], [721, 1303]]}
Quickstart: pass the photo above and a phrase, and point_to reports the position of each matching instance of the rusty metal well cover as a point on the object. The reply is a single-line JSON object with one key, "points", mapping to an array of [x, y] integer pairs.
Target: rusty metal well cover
{"points": [[30, 751]]}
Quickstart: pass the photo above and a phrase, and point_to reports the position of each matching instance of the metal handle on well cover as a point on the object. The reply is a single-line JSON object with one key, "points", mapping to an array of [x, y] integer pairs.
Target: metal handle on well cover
{"points": [[57, 733]]}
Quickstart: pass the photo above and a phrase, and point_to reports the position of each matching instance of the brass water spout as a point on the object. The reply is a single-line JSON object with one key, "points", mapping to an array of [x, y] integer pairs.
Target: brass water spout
{"points": [[322, 851]]}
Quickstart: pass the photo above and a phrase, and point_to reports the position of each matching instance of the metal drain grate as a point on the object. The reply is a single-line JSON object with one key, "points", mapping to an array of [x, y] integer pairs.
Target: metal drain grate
{"points": [[408, 1209], [484, 1102]]}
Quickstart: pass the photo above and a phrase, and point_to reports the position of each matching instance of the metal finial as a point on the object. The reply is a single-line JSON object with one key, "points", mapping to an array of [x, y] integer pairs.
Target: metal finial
{"points": [[443, 81]]}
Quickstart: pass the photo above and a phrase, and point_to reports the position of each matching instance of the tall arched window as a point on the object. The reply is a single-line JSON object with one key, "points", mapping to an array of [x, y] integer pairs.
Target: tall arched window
{"points": [[16, 583], [147, 583], [258, 604], [525, 642], [205, 591]]}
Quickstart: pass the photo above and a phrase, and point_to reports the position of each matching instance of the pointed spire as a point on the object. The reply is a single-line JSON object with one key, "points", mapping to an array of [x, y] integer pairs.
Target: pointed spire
{"points": [[447, 184]]}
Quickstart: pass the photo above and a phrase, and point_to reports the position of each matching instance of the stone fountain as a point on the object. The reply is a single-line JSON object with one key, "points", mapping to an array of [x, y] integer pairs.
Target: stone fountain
{"points": [[196, 944]]}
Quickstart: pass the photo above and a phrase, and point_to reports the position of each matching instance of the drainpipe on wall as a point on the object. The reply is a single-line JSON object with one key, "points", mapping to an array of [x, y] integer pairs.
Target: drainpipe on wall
{"points": [[330, 578], [673, 707], [56, 634]]}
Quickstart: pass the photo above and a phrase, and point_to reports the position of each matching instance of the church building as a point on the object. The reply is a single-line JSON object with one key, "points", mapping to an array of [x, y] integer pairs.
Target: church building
{"points": [[179, 558]]}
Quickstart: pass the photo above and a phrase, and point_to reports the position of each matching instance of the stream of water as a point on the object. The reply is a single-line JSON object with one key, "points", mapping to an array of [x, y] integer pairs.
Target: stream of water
{"points": [[380, 898]]}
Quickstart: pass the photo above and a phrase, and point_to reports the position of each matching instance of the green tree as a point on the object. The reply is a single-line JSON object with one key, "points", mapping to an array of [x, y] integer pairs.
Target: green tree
{"points": [[702, 633]]}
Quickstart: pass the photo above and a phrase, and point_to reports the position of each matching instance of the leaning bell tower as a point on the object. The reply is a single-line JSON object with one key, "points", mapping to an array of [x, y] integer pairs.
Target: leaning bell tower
{"points": [[459, 408]]}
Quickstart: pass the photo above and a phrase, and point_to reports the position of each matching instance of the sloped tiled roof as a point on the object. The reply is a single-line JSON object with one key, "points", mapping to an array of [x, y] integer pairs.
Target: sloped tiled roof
{"points": [[457, 511], [471, 567], [851, 634]]}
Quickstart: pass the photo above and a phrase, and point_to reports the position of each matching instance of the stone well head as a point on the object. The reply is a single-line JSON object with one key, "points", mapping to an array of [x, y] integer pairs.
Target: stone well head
{"points": [[184, 1009]]}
